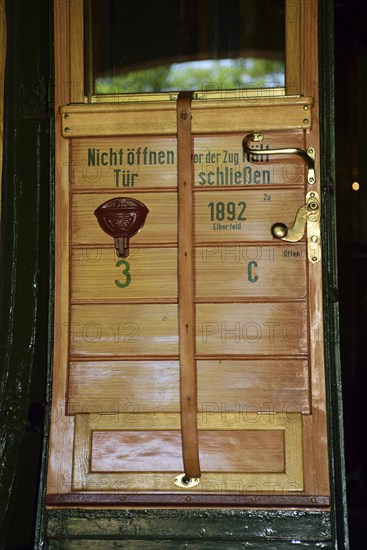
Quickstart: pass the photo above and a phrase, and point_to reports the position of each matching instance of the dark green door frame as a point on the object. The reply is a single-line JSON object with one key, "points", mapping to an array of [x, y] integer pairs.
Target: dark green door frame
{"points": [[26, 321]]}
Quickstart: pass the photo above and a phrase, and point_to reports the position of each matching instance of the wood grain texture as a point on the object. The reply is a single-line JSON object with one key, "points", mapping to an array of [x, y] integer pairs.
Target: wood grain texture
{"points": [[260, 346], [255, 272], [315, 426], [225, 271], [152, 275], [221, 329], [62, 428], [293, 47], [253, 329], [130, 387], [112, 330], [259, 214], [160, 225], [148, 451], [186, 290], [218, 482], [108, 163], [160, 118], [76, 51]]}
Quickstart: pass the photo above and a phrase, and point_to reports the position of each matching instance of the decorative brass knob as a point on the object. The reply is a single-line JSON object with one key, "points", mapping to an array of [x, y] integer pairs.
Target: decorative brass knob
{"points": [[279, 230]]}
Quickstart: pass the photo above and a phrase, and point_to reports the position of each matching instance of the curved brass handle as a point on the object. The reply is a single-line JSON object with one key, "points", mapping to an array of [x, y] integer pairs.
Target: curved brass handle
{"points": [[308, 214], [308, 156]]}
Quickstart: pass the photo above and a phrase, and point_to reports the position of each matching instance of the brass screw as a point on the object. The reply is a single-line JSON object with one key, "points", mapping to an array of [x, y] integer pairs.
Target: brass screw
{"points": [[67, 129], [187, 499], [305, 121], [305, 107], [311, 180], [314, 259], [66, 115]]}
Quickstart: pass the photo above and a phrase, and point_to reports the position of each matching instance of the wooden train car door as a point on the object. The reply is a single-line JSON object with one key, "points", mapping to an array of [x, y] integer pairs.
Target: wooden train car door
{"points": [[188, 355]]}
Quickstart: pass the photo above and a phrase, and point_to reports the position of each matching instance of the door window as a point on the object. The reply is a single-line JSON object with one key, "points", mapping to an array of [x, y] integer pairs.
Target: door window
{"points": [[165, 45]]}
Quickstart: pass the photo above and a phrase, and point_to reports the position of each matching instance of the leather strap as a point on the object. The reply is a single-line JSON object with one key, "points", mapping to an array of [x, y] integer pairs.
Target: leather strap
{"points": [[186, 312]]}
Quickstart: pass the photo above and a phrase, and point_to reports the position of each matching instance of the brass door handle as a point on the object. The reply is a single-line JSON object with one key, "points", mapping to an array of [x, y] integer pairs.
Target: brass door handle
{"points": [[308, 215], [308, 156]]}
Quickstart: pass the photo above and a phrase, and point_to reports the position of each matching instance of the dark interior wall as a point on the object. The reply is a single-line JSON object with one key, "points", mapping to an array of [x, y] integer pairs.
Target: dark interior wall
{"points": [[24, 266], [351, 143]]}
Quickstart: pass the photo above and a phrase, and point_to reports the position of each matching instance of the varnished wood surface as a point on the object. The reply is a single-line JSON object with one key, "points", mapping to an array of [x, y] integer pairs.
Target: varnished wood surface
{"points": [[130, 387], [293, 47], [160, 225], [108, 163], [157, 451], [97, 274], [290, 477], [255, 272], [258, 328], [76, 52], [221, 329], [254, 216], [274, 113]]}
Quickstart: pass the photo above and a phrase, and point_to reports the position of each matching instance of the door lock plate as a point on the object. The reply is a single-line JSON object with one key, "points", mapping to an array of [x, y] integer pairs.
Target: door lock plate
{"points": [[308, 216]]}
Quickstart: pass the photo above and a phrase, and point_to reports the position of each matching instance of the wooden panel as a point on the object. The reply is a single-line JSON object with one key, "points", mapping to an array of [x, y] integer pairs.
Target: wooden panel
{"points": [[60, 464], [293, 47], [112, 330], [274, 385], [255, 329], [221, 160], [248, 272], [160, 225], [76, 52], [221, 329], [130, 387], [151, 274], [134, 163], [244, 215], [110, 163], [254, 214], [160, 118], [147, 274], [123, 387], [290, 479], [148, 451]]}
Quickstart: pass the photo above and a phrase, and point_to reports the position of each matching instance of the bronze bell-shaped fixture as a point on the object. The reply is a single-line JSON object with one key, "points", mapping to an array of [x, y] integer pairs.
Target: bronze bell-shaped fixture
{"points": [[121, 218]]}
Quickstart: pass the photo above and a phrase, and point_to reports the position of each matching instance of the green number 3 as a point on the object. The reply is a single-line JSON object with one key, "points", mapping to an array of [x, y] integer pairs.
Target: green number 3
{"points": [[125, 272]]}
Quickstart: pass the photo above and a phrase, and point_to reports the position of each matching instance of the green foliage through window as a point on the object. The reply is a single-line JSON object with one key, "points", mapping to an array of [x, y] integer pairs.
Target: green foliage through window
{"points": [[198, 75]]}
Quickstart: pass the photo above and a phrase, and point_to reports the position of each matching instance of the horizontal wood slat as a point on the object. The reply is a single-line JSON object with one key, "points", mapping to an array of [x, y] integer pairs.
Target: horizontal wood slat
{"points": [[160, 225], [221, 329], [254, 214], [130, 387], [246, 216], [160, 118], [253, 271], [147, 162]]}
